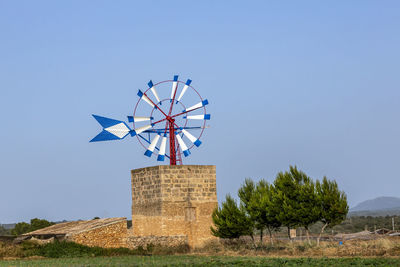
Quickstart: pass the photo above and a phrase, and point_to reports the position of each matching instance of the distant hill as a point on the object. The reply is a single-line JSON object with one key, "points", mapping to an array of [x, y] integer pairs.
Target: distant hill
{"points": [[381, 206]]}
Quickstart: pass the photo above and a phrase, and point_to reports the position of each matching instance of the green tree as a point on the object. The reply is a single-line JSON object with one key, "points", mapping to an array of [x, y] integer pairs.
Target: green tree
{"points": [[231, 221], [262, 208], [39, 224], [23, 227], [246, 194], [309, 210], [332, 204], [294, 199]]}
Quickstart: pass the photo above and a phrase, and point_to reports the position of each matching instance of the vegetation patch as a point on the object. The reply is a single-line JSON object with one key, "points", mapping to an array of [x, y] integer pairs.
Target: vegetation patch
{"points": [[192, 260], [293, 200]]}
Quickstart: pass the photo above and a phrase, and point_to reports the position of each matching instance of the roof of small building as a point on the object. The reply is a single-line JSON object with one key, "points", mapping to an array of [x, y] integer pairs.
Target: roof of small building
{"points": [[75, 227]]}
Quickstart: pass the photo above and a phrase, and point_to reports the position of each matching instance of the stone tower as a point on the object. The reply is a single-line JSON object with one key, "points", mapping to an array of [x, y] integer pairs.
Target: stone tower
{"points": [[175, 200]]}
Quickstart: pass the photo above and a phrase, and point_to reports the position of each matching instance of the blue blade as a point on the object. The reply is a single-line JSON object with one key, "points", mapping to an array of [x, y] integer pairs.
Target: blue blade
{"points": [[104, 136], [105, 122]]}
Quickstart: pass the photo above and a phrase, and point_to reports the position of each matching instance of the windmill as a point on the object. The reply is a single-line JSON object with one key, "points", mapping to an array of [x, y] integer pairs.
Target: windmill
{"points": [[161, 119]]}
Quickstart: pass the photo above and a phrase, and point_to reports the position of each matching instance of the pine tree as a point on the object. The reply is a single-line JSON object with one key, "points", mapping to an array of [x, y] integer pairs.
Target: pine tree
{"points": [[231, 221], [285, 200], [309, 211], [332, 204], [295, 199], [246, 194], [262, 208]]}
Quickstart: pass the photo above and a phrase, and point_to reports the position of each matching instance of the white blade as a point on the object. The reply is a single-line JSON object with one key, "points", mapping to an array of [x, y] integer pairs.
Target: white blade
{"points": [[184, 89], [138, 119], [174, 83], [198, 105], [183, 146], [189, 136], [163, 146], [119, 130], [183, 92], [145, 98], [195, 117], [181, 143], [153, 144], [147, 101], [192, 139], [153, 90], [142, 129]]}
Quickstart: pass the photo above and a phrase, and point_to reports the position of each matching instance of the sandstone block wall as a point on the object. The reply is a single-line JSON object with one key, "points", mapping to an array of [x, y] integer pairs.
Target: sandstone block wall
{"points": [[165, 241], [174, 201], [108, 236]]}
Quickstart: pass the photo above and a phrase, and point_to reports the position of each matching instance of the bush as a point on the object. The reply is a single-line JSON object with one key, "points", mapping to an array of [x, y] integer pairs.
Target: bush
{"points": [[64, 249], [8, 250]]}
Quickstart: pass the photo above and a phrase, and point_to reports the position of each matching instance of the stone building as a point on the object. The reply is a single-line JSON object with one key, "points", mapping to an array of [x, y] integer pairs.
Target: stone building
{"points": [[107, 233], [171, 205], [174, 203]]}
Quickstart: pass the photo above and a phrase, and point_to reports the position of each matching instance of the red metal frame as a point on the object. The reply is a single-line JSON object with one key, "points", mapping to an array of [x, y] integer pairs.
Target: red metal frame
{"points": [[175, 153], [172, 151]]}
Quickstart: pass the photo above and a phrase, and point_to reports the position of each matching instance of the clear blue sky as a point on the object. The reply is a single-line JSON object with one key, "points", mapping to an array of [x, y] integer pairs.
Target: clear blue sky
{"points": [[307, 83]]}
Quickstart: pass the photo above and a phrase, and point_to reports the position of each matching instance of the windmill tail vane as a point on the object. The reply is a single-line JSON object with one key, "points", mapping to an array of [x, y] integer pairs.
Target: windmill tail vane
{"points": [[169, 121]]}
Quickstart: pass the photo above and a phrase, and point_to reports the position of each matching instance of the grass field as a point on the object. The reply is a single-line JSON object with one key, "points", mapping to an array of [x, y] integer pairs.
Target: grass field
{"points": [[189, 260]]}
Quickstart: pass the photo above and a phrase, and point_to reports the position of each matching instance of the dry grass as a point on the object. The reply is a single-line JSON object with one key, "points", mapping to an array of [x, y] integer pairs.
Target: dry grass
{"points": [[382, 247], [386, 246], [10, 251]]}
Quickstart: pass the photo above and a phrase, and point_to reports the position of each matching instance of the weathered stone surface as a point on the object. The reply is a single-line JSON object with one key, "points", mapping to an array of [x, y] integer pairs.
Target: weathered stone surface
{"points": [[174, 201], [109, 236], [165, 241], [107, 232]]}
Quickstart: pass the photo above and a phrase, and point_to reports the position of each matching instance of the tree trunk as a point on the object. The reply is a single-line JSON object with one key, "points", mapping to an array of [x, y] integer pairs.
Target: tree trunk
{"points": [[270, 236], [252, 238], [320, 234], [308, 235], [288, 232], [261, 236]]}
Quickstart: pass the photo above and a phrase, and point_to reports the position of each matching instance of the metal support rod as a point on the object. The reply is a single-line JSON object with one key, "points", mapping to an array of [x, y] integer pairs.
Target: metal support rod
{"points": [[172, 151]]}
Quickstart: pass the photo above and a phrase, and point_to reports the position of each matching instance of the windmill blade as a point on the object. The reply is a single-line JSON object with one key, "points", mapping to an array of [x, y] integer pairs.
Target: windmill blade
{"points": [[183, 146], [174, 83], [104, 136], [145, 98], [198, 105], [198, 117], [139, 119], [141, 129], [188, 82], [161, 154], [192, 139], [152, 146], [153, 90], [112, 129], [105, 122]]}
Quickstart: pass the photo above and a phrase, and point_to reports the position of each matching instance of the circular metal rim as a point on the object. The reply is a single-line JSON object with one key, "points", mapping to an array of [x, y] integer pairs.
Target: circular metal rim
{"points": [[166, 81]]}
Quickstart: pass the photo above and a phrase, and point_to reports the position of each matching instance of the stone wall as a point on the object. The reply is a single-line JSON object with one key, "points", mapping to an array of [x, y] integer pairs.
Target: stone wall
{"points": [[174, 201], [107, 236], [165, 241]]}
